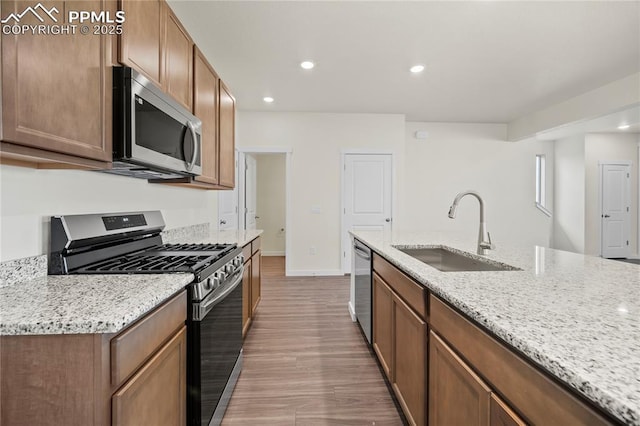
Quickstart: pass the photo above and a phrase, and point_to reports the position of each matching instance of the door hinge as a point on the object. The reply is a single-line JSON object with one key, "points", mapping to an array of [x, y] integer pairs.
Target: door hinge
{"points": [[627, 242], [345, 166], [344, 254], [344, 210], [627, 174], [627, 208]]}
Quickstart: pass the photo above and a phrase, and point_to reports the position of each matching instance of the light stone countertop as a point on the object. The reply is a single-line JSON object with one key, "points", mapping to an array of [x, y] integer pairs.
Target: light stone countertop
{"points": [[575, 316], [33, 303]]}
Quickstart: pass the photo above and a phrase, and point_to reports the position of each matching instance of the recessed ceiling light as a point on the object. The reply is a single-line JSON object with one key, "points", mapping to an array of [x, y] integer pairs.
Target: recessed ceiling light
{"points": [[416, 69], [268, 99], [307, 65], [623, 127]]}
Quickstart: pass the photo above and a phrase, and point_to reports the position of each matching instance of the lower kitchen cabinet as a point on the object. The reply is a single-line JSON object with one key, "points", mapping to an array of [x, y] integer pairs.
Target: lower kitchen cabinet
{"points": [[251, 282], [400, 337], [156, 395], [135, 377], [472, 375], [409, 356], [457, 396], [382, 323]]}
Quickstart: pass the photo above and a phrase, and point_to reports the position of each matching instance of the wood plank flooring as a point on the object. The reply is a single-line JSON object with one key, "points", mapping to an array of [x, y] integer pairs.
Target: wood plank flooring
{"points": [[305, 361]]}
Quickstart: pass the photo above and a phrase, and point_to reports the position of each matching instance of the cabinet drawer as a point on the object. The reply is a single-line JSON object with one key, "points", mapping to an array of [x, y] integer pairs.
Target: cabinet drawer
{"points": [[255, 245], [131, 348], [411, 292], [246, 252]]}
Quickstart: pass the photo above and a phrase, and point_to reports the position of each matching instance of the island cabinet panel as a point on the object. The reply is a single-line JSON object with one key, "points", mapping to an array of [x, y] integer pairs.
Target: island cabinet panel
{"points": [[156, 394], [534, 396], [400, 337], [246, 297], [457, 396], [382, 323], [56, 93], [409, 355], [501, 415]]}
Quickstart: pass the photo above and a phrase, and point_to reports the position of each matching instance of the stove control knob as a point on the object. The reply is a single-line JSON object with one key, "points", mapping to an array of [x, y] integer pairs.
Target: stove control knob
{"points": [[215, 282], [237, 262], [229, 268], [208, 284], [220, 275]]}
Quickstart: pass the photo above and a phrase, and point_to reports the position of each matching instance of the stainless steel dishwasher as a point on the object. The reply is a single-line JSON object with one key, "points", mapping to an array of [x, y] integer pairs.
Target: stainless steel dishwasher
{"points": [[362, 274]]}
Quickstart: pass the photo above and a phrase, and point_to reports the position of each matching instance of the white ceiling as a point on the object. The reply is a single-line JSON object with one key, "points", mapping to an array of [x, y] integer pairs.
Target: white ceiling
{"points": [[486, 61]]}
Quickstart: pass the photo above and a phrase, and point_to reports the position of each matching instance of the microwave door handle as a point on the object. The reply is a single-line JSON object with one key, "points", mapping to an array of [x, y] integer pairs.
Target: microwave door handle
{"points": [[192, 162]]}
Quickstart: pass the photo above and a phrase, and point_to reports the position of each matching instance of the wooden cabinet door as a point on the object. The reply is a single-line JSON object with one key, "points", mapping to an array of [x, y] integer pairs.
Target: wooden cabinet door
{"points": [[56, 90], [255, 282], [246, 297], [409, 362], [141, 39], [502, 415], [205, 107], [156, 394], [457, 396], [227, 107], [383, 323], [178, 57]]}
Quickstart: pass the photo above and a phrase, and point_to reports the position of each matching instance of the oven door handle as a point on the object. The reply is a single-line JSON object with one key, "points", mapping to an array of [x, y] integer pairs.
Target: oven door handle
{"points": [[201, 309]]}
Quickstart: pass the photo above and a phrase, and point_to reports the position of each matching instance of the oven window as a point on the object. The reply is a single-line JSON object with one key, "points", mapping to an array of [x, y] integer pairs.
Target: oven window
{"points": [[159, 132]]}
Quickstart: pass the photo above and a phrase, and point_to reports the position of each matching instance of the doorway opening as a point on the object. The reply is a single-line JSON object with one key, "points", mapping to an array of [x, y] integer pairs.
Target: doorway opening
{"points": [[263, 198]]}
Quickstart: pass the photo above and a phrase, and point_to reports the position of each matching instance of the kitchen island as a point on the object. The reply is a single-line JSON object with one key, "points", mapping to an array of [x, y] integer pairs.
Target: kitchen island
{"points": [[575, 317]]}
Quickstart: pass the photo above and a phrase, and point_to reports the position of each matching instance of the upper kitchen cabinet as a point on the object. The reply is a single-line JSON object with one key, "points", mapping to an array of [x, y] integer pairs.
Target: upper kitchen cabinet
{"points": [[214, 105], [56, 92], [155, 43], [227, 137], [205, 107]]}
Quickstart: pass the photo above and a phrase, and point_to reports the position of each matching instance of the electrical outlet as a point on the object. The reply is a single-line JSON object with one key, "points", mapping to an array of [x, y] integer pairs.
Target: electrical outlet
{"points": [[312, 250]]}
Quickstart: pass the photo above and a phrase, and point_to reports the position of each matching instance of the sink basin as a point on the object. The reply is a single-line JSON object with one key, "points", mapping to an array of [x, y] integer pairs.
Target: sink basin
{"points": [[449, 261]]}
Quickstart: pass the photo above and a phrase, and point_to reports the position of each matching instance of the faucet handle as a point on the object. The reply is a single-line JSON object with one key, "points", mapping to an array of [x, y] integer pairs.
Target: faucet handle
{"points": [[487, 244]]}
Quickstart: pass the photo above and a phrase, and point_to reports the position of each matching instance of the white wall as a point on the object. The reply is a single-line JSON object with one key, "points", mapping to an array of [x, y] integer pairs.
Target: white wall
{"points": [[28, 197], [569, 194], [316, 141], [459, 156], [608, 147], [271, 202]]}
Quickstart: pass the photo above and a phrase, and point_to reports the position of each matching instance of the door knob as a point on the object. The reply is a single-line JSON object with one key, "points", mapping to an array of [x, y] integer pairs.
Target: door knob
{"points": [[257, 217], [388, 220], [606, 215], [223, 222]]}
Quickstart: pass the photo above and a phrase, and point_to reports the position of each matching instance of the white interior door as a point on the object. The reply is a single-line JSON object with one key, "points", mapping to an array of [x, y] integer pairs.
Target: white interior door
{"points": [[615, 215], [367, 197], [250, 192], [228, 210]]}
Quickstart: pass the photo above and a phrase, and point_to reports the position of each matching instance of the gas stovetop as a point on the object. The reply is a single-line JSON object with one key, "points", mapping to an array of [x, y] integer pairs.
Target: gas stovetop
{"points": [[166, 258], [128, 243]]}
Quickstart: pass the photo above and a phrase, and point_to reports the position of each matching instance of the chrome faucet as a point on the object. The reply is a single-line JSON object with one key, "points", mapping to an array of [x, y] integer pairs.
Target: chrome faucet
{"points": [[484, 238]]}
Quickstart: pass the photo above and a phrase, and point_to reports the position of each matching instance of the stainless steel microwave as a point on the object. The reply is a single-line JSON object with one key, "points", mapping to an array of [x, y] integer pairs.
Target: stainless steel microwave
{"points": [[154, 137]]}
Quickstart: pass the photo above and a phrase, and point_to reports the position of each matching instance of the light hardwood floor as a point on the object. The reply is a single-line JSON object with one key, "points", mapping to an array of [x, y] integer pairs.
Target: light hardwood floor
{"points": [[305, 361]]}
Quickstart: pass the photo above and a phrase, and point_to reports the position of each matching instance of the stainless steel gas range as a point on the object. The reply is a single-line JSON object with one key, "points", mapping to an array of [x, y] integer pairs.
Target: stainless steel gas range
{"points": [[130, 243]]}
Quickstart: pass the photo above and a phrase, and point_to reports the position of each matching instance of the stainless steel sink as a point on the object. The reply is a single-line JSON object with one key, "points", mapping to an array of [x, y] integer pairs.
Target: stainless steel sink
{"points": [[448, 261]]}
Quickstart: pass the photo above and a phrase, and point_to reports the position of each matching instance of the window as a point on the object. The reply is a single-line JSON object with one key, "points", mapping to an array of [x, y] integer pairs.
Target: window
{"points": [[541, 182]]}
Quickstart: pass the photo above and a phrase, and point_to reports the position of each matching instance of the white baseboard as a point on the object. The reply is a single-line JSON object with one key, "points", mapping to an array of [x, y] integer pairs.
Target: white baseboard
{"points": [[352, 311], [314, 272], [273, 253]]}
